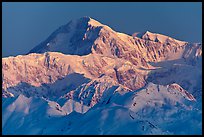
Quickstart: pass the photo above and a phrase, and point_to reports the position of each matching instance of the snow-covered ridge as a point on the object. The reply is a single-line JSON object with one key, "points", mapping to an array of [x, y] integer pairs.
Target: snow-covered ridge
{"points": [[182, 91], [85, 35], [159, 38]]}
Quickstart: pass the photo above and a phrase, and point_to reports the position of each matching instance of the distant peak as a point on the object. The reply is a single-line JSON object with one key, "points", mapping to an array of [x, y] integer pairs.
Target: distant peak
{"points": [[89, 20], [156, 37], [152, 33], [95, 22], [148, 32]]}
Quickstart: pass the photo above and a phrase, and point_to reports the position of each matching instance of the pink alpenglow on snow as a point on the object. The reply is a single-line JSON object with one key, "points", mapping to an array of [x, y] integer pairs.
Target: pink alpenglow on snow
{"points": [[87, 78]]}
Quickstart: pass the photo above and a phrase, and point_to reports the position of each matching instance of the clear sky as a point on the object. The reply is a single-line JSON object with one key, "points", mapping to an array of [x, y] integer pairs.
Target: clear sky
{"points": [[25, 25]]}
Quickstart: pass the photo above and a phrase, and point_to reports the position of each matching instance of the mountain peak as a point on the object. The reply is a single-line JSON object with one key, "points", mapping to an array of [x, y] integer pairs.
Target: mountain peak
{"points": [[89, 20], [156, 37], [94, 22], [69, 38], [148, 32]]}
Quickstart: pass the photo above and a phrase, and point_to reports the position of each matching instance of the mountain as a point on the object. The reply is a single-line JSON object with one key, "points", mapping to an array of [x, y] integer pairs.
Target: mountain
{"points": [[76, 37], [86, 78], [85, 35]]}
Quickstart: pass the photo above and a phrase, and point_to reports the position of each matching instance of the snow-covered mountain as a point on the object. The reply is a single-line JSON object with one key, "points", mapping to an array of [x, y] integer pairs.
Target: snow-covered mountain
{"points": [[86, 78]]}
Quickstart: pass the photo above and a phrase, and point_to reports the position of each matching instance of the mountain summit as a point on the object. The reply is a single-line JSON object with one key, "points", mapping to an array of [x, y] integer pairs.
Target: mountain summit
{"points": [[76, 37]]}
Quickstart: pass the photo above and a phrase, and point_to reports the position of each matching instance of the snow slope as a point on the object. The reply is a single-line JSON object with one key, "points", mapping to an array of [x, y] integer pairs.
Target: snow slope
{"points": [[155, 109]]}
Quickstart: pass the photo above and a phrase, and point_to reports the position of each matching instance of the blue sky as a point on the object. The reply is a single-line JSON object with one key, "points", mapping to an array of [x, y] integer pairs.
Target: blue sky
{"points": [[25, 25]]}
